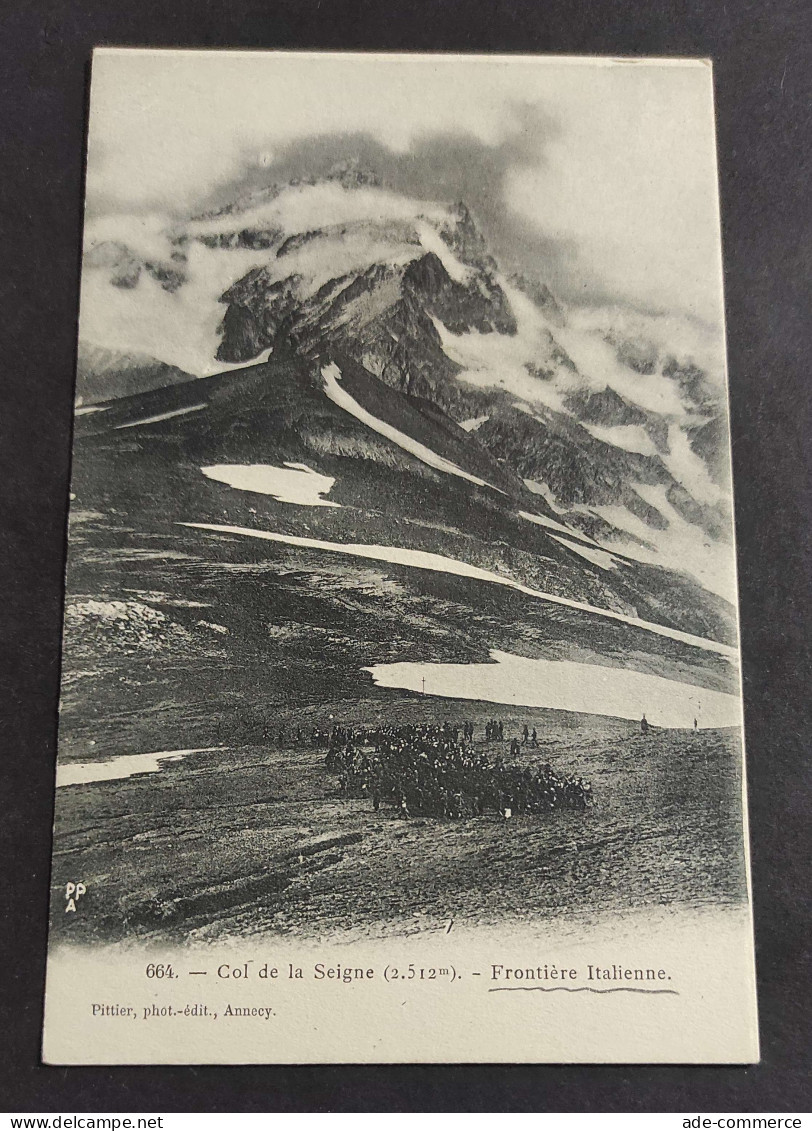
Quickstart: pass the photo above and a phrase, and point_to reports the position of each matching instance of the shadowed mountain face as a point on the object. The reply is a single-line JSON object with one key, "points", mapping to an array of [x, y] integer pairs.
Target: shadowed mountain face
{"points": [[592, 421]]}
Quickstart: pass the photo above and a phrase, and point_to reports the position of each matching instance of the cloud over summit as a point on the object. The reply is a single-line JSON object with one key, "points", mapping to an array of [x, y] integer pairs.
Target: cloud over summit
{"points": [[599, 180]]}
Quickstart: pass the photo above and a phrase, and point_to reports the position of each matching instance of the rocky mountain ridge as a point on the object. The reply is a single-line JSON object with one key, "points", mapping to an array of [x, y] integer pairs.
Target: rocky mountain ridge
{"points": [[620, 435]]}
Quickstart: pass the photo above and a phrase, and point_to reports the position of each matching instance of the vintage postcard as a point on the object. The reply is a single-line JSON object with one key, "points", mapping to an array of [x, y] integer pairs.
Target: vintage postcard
{"points": [[401, 708]]}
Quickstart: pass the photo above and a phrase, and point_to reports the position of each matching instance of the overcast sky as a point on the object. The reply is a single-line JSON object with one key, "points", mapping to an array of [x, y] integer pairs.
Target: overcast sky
{"points": [[599, 178]]}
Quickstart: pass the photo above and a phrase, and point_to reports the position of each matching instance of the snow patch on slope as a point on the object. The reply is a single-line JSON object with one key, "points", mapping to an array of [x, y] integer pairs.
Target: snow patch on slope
{"points": [[338, 395], [550, 523], [84, 410], [629, 437], [545, 492], [293, 483], [163, 416], [122, 766], [592, 554], [474, 423]]}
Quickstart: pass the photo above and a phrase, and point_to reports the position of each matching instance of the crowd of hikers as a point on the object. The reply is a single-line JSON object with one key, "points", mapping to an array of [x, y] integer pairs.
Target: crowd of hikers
{"points": [[434, 770]]}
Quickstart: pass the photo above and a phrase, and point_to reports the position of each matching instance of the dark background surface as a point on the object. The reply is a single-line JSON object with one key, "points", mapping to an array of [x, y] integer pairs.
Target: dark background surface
{"points": [[762, 73]]}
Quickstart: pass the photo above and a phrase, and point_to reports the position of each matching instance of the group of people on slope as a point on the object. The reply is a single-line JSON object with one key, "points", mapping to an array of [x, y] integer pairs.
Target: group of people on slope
{"points": [[432, 770]]}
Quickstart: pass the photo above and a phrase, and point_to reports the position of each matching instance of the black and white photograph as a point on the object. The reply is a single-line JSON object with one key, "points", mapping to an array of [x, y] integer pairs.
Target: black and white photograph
{"points": [[400, 628]]}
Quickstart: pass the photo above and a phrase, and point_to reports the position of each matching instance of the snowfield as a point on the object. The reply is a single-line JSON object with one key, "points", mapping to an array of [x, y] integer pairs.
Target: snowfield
{"points": [[563, 685], [122, 766]]}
